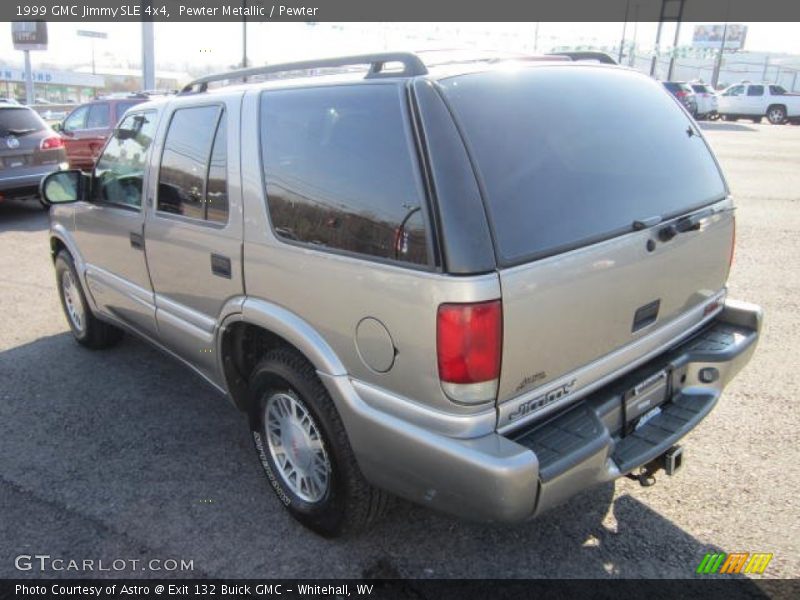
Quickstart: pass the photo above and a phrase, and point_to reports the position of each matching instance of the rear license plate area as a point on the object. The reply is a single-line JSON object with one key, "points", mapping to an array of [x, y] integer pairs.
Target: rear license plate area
{"points": [[641, 401]]}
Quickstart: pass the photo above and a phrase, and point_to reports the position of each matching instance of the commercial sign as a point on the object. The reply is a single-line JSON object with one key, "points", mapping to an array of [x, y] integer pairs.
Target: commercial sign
{"points": [[53, 77], [29, 35], [710, 36]]}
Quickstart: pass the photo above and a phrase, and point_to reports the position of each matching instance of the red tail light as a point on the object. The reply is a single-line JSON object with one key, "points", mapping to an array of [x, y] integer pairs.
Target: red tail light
{"points": [[680, 93], [51, 143], [469, 346]]}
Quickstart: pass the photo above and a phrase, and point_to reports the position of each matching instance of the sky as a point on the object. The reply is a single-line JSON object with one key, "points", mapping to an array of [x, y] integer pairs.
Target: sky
{"points": [[180, 45]]}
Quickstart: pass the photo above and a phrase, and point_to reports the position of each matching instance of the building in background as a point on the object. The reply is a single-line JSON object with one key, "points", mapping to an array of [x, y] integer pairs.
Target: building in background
{"points": [[50, 85], [121, 79]]}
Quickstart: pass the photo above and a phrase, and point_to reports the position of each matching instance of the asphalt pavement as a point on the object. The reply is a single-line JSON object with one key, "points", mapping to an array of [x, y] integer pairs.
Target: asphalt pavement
{"points": [[126, 455]]}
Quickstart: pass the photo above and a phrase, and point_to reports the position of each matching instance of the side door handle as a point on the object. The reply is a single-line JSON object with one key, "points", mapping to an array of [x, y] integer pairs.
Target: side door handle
{"points": [[137, 241], [221, 266]]}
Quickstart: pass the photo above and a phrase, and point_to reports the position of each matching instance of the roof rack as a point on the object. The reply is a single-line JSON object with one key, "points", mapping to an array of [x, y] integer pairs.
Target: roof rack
{"points": [[412, 66], [600, 57]]}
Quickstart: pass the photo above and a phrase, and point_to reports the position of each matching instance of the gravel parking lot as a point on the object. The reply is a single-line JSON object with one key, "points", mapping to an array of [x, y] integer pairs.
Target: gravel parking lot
{"points": [[125, 454]]}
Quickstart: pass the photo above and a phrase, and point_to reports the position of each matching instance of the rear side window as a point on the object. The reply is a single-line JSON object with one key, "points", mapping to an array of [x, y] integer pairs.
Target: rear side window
{"points": [[339, 171], [755, 90], [76, 119], [123, 106], [99, 116], [19, 121], [192, 178], [777, 90], [571, 155]]}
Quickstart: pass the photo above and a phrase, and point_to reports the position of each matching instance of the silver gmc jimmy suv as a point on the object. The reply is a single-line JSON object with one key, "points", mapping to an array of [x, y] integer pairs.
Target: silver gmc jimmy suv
{"points": [[482, 286]]}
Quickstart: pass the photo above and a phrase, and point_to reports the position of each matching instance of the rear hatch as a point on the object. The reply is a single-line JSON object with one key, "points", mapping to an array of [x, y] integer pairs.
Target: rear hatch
{"points": [[610, 218], [21, 134]]}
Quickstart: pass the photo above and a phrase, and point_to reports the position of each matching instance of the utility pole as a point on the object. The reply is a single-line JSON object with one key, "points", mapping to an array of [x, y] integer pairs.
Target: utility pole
{"points": [[632, 61], [664, 17], [671, 70], [766, 66], [29, 96], [718, 62], [624, 27], [655, 52], [244, 35], [148, 57]]}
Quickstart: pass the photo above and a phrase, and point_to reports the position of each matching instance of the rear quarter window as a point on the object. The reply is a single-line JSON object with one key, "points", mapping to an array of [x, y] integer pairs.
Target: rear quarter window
{"points": [[339, 171], [569, 155]]}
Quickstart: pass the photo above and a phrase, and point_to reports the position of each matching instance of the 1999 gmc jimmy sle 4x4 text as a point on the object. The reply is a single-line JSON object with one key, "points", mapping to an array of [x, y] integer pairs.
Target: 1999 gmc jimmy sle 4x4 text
{"points": [[482, 285]]}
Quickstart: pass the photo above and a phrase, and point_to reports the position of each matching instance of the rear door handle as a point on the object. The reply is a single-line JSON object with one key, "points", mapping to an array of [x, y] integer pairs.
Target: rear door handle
{"points": [[137, 241], [221, 266]]}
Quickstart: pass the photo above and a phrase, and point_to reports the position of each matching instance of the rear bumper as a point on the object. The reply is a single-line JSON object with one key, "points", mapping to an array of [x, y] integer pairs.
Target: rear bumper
{"points": [[24, 181], [521, 474]]}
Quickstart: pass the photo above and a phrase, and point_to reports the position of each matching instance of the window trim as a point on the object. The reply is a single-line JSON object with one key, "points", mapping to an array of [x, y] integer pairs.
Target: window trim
{"points": [[204, 222], [410, 125], [128, 207]]}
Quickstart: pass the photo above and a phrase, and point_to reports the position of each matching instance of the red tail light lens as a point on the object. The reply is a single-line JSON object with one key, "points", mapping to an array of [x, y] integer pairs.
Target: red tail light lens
{"points": [[469, 346], [51, 143]]}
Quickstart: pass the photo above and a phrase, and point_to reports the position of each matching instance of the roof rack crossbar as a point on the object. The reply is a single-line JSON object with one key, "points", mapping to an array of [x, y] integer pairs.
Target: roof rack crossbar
{"points": [[412, 66]]}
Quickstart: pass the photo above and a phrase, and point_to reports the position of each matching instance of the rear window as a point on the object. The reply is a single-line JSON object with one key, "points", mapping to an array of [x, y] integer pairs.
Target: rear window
{"points": [[572, 155], [19, 121]]}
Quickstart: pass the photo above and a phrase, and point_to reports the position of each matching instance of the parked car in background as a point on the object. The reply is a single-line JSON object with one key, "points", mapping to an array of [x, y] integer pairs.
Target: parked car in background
{"points": [[591, 266], [684, 93], [9, 101], [755, 101], [29, 150], [707, 102], [86, 128]]}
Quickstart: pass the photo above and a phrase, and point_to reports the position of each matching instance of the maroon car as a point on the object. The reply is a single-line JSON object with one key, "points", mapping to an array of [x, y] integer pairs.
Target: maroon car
{"points": [[86, 128], [29, 150]]}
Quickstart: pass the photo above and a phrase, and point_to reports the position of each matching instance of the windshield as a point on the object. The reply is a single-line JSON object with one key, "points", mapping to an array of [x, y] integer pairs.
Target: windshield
{"points": [[19, 121], [568, 155]]}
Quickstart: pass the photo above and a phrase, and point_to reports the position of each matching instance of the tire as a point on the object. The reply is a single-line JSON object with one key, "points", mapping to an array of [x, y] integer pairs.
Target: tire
{"points": [[87, 329], [776, 115], [329, 495]]}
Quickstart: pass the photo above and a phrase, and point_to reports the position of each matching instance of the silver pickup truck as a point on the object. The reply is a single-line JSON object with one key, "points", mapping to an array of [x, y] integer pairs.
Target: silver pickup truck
{"points": [[482, 285]]}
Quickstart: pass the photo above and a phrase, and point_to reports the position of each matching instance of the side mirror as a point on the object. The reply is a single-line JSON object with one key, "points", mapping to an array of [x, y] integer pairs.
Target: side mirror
{"points": [[62, 187], [57, 126]]}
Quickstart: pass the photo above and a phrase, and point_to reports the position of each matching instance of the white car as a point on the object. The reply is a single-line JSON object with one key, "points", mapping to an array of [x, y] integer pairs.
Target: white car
{"points": [[757, 100], [707, 103]]}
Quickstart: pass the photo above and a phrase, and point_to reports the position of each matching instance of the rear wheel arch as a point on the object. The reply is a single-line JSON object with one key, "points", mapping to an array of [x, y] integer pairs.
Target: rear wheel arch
{"points": [[243, 343]]}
